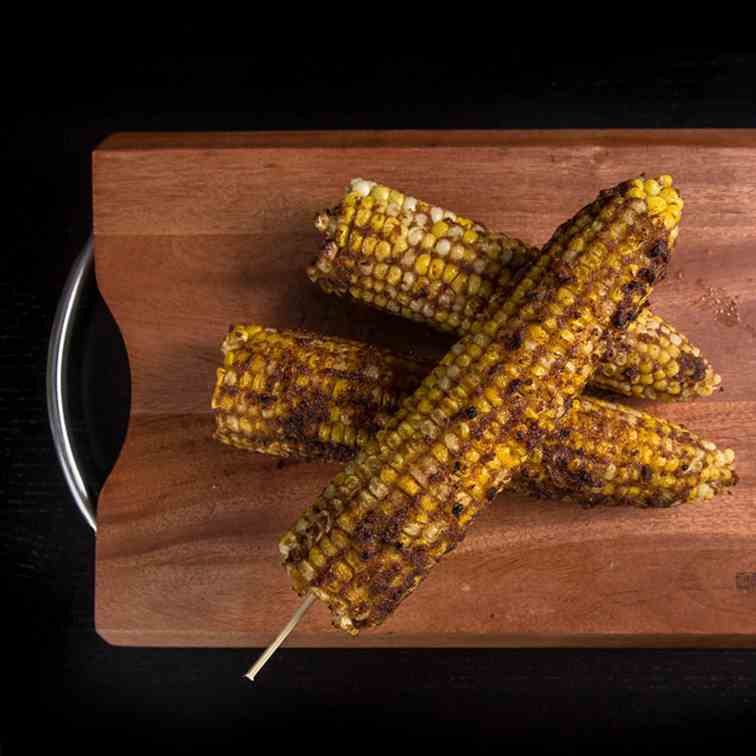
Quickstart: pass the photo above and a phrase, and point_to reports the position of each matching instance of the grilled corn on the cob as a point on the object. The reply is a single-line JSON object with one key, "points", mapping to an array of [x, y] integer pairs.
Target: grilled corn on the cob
{"points": [[411, 492], [292, 393], [399, 254]]}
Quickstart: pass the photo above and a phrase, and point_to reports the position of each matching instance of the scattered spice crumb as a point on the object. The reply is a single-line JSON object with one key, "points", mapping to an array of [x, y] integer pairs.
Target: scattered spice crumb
{"points": [[723, 306]]}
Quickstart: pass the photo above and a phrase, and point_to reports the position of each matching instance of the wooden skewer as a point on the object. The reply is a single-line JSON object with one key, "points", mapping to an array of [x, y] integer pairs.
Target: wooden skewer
{"points": [[280, 638]]}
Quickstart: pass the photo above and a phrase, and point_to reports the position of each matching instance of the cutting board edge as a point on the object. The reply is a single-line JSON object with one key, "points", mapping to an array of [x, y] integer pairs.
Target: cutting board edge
{"points": [[127, 638], [146, 140]]}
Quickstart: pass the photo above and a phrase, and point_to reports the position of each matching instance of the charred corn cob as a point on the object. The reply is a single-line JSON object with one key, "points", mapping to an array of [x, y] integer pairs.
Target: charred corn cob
{"points": [[291, 393], [410, 494], [399, 254], [606, 453]]}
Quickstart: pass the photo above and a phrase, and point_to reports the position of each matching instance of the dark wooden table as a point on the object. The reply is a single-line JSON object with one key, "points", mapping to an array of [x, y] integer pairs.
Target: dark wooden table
{"points": [[70, 679]]}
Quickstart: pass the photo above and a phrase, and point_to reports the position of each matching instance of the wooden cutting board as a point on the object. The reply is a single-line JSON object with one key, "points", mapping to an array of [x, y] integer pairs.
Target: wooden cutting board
{"points": [[195, 232]]}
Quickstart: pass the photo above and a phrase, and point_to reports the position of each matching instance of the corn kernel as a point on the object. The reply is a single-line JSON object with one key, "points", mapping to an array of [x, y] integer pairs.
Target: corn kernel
{"points": [[565, 297], [382, 250], [656, 205], [409, 485], [337, 433], [362, 217], [459, 283], [422, 264], [439, 229], [670, 195], [380, 193], [436, 269], [399, 248], [415, 236], [389, 227], [443, 246], [428, 242], [394, 275]]}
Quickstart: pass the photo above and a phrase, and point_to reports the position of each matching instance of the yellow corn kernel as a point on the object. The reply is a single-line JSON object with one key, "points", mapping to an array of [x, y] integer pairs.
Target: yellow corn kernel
{"points": [[422, 264], [391, 225], [376, 222], [450, 272], [394, 275], [439, 229], [440, 452], [565, 297], [382, 250], [670, 196], [436, 269], [656, 205], [362, 217], [428, 242], [399, 248], [459, 283], [409, 485], [380, 193], [337, 433]]}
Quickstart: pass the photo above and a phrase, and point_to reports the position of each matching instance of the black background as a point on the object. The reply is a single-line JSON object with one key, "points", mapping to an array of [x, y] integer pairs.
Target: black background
{"points": [[64, 681]]}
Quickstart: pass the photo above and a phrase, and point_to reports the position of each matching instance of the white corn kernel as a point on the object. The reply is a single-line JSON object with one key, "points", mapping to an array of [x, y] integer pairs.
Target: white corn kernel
{"points": [[415, 236], [361, 187], [442, 247]]}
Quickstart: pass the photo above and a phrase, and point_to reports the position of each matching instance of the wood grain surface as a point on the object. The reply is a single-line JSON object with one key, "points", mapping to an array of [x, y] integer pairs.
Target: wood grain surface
{"points": [[195, 232]]}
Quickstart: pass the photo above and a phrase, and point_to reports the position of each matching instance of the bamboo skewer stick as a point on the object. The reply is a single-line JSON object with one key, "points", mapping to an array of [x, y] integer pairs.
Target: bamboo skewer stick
{"points": [[280, 638]]}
